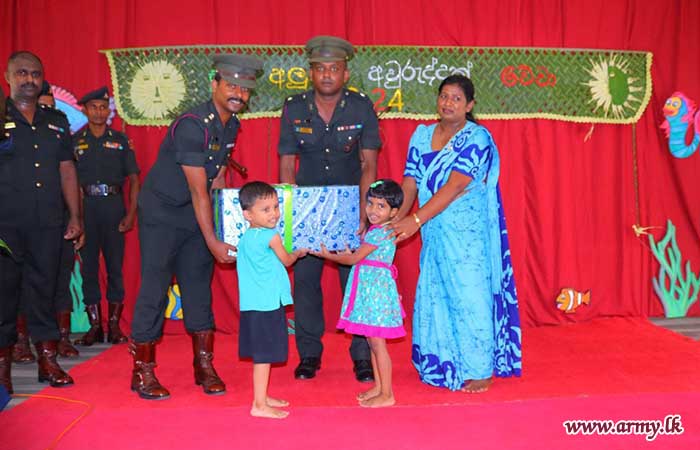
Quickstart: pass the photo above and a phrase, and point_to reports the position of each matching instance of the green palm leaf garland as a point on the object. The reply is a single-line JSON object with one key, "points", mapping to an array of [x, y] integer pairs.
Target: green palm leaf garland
{"points": [[676, 291], [154, 85]]}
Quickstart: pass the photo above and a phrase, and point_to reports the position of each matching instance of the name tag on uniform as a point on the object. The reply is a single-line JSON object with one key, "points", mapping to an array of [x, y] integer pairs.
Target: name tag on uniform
{"points": [[10, 125], [357, 126], [231, 145], [305, 130], [114, 145], [81, 147], [56, 128]]}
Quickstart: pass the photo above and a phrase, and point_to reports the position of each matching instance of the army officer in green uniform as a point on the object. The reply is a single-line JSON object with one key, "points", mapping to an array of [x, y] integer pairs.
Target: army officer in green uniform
{"points": [[104, 160], [334, 134], [176, 227]]}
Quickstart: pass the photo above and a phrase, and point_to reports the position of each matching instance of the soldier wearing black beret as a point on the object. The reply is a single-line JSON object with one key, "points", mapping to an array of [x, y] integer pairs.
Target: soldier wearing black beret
{"points": [[63, 300], [334, 134], [46, 95], [104, 161], [37, 182], [176, 227]]}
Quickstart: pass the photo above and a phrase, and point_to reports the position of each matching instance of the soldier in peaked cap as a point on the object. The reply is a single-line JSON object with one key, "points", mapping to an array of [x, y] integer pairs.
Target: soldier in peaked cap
{"points": [[104, 160], [176, 227], [37, 183], [334, 134]]}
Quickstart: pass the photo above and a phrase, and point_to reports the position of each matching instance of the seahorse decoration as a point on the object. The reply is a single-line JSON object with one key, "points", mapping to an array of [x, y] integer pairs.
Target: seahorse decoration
{"points": [[679, 111]]}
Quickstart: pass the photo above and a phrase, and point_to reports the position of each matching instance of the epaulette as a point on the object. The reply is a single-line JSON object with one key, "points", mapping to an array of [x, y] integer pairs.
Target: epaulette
{"points": [[51, 109], [296, 98], [118, 134], [210, 117], [356, 94]]}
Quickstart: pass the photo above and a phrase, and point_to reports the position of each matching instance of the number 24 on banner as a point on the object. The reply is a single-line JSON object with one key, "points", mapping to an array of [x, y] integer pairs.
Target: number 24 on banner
{"points": [[395, 103]]}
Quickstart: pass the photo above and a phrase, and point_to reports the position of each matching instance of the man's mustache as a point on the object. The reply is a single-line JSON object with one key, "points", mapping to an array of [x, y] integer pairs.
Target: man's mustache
{"points": [[230, 99], [29, 84]]}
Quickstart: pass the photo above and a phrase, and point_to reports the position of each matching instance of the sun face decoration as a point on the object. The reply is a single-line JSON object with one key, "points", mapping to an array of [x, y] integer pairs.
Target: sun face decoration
{"points": [[612, 88], [157, 89]]}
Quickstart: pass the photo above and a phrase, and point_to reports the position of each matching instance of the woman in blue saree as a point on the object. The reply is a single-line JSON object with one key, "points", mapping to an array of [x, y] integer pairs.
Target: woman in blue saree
{"points": [[466, 326]]}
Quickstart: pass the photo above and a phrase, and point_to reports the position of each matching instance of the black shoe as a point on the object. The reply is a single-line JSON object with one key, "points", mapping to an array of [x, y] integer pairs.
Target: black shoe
{"points": [[307, 368], [363, 370]]}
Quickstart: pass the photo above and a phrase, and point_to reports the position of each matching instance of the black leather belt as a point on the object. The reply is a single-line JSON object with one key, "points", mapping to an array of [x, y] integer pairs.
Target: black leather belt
{"points": [[101, 190]]}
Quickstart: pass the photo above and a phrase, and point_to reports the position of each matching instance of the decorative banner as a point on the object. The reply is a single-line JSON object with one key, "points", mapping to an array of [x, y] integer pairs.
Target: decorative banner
{"points": [[676, 291], [153, 85]]}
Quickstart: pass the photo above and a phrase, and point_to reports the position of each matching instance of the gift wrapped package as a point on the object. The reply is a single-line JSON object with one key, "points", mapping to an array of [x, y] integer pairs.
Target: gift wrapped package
{"points": [[309, 216]]}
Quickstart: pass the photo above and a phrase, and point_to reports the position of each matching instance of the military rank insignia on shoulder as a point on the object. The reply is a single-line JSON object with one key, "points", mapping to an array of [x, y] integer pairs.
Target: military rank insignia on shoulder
{"points": [[356, 94], [295, 99], [209, 118]]}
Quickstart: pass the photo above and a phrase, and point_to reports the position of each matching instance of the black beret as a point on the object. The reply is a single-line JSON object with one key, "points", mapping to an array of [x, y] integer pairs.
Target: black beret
{"points": [[45, 89], [98, 94]]}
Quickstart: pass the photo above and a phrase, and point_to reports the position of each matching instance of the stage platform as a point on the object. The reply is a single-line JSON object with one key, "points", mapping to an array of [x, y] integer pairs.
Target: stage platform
{"points": [[608, 370]]}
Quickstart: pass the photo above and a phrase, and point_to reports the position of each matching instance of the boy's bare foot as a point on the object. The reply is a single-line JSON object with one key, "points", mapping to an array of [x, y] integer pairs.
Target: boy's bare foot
{"points": [[378, 401], [268, 412], [369, 393], [276, 402], [477, 386]]}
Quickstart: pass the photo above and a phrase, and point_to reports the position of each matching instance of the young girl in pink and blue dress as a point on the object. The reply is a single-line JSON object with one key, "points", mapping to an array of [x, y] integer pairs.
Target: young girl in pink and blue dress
{"points": [[372, 305]]}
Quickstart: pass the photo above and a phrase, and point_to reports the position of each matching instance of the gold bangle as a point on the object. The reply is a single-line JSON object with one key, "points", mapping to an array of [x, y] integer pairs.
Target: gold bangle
{"points": [[417, 219]]}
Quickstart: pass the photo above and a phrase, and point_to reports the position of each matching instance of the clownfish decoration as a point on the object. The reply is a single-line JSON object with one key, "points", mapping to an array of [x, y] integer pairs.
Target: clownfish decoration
{"points": [[680, 113], [570, 299]]}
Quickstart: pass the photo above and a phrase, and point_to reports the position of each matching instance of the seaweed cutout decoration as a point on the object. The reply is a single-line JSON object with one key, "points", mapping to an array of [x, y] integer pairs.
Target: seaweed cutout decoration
{"points": [[4, 246], [676, 291]]}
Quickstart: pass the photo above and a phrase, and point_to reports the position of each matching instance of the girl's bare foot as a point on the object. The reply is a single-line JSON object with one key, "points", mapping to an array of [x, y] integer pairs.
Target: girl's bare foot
{"points": [[268, 412], [477, 386], [378, 401], [369, 393], [276, 402]]}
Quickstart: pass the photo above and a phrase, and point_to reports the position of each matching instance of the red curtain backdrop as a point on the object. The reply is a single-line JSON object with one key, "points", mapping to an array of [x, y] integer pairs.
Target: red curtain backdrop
{"points": [[570, 203]]}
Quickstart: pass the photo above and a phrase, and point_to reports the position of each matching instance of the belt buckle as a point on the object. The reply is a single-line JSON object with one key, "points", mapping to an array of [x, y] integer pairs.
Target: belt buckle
{"points": [[98, 190]]}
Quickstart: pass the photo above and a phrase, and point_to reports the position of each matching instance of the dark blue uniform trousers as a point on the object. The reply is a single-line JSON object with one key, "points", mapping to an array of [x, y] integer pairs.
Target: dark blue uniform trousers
{"points": [[28, 282], [102, 217], [309, 320], [63, 300], [168, 251]]}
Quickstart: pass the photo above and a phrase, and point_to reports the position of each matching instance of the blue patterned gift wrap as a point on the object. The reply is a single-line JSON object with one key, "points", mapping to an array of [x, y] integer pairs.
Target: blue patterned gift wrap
{"points": [[319, 214]]}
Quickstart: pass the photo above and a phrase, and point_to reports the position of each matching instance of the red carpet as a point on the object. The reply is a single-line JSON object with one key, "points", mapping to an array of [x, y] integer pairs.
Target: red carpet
{"points": [[608, 369]]}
